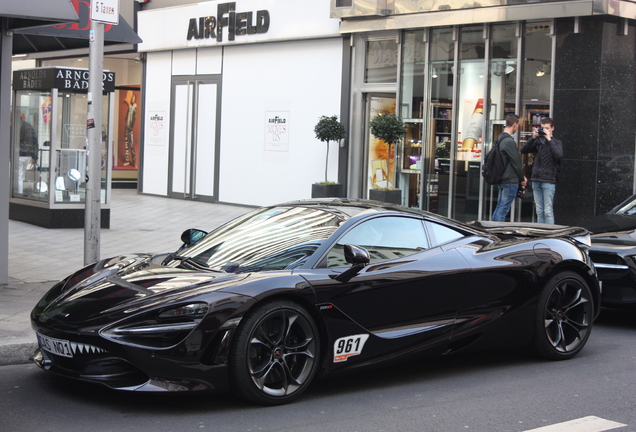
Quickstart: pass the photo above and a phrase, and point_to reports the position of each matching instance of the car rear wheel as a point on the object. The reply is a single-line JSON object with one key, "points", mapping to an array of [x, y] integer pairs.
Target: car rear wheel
{"points": [[564, 317], [275, 353]]}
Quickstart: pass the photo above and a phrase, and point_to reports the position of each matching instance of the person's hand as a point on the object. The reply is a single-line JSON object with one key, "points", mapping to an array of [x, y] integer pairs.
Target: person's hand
{"points": [[548, 134], [524, 182], [535, 132]]}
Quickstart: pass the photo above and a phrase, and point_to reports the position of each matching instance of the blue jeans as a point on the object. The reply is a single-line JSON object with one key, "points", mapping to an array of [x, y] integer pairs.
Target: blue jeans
{"points": [[507, 194], [543, 200]]}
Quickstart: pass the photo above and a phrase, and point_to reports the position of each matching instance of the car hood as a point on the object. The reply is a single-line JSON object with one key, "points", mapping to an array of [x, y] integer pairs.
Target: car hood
{"points": [[614, 241], [610, 222], [129, 283]]}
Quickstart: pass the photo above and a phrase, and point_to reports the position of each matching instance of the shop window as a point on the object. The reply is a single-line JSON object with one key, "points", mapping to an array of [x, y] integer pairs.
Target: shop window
{"points": [[439, 140], [413, 64], [32, 134], [535, 97], [381, 61], [412, 111], [470, 123], [503, 90], [537, 77], [452, 123]]}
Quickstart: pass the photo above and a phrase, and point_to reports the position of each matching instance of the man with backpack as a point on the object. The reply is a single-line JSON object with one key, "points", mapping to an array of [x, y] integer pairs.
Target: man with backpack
{"points": [[513, 177]]}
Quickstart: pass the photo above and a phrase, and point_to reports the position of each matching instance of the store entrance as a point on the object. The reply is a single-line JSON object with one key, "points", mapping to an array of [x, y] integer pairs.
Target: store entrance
{"points": [[193, 171]]}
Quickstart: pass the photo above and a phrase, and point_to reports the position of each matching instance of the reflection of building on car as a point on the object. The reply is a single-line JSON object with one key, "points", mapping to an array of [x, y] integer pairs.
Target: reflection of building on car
{"points": [[268, 301]]}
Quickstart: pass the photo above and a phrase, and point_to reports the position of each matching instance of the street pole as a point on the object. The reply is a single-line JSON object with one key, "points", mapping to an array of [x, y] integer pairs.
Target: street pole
{"points": [[92, 215]]}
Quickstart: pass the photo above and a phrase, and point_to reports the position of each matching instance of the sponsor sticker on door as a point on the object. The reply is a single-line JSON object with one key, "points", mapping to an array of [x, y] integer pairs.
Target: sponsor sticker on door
{"points": [[348, 346]]}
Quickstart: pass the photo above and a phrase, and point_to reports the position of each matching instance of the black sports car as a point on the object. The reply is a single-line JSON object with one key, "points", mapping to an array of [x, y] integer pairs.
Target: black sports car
{"points": [[614, 253], [264, 303]]}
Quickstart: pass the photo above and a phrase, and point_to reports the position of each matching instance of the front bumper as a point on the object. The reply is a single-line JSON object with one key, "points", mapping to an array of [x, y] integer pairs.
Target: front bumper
{"points": [[121, 367]]}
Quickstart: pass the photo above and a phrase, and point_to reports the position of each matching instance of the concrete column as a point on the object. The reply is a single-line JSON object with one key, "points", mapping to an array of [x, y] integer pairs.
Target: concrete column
{"points": [[6, 49]]}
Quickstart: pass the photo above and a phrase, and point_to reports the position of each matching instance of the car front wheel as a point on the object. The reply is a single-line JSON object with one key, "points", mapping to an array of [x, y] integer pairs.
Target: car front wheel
{"points": [[564, 317], [275, 353]]}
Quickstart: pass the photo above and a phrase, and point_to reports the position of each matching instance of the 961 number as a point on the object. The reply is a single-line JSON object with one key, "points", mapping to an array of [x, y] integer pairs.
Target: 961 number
{"points": [[348, 346]]}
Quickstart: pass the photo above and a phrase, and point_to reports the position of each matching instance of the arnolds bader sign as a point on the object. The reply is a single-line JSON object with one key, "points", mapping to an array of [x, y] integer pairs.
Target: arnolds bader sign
{"points": [[60, 78]]}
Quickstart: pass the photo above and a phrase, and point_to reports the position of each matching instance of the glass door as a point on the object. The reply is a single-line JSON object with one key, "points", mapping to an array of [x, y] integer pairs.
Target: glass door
{"points": [[194, 140]]}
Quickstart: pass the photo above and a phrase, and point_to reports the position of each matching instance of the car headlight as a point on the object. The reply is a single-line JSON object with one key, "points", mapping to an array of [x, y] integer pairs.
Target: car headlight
{"points": [[194, 311], [164, 328]]}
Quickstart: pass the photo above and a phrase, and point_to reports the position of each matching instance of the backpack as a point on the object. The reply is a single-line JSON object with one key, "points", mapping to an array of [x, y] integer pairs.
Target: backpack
{"points": [[493, 168]]}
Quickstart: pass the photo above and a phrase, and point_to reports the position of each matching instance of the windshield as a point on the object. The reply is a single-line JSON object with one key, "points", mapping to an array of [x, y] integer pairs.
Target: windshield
{"points": [[267, 239]]}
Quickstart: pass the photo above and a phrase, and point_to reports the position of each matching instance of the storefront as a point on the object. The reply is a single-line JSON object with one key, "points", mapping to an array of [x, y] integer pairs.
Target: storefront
{"points": [[49, 148], [66, 46], [453, 74], [233, 91]]}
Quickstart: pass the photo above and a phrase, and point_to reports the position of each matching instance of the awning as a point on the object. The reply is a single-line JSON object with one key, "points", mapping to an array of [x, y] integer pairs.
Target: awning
{"points": [[70, 36], [29, 13]]}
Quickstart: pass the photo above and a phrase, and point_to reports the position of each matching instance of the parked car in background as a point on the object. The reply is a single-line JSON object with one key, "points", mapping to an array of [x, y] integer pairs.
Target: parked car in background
{"points": [[266, 302], [614, 253]]}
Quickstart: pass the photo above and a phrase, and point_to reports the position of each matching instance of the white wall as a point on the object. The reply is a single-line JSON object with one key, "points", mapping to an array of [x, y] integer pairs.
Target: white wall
{"points": [[300, 77], [209, 61], [157, 100]]}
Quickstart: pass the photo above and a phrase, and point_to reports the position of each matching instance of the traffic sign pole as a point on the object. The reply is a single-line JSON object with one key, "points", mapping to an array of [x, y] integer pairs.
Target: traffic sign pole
{"points": [[92, 214]]}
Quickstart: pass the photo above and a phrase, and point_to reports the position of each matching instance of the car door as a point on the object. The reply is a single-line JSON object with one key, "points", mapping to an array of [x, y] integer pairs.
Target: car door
{"points": [[408, 288]]}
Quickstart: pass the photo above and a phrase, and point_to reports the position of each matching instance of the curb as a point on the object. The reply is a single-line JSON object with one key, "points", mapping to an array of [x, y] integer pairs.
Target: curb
{"points": [[18, 353]]}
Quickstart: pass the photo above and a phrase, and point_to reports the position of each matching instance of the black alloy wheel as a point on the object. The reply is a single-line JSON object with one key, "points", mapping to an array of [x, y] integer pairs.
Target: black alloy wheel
{"points": [[564, 317], [275, 353]]}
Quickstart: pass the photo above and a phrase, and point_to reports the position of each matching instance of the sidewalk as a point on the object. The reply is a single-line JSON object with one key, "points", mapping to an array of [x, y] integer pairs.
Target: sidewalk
{"points": [[39, 257]]}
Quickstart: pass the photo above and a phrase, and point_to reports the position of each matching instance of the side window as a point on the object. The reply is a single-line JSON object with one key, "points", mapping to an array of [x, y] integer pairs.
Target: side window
{"points": [[441, 234], [385, 238]]}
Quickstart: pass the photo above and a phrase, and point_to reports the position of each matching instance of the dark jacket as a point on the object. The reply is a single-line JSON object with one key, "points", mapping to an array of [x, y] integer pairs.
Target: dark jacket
{"points": [[28, 140], [547, 158], [511, 159]]}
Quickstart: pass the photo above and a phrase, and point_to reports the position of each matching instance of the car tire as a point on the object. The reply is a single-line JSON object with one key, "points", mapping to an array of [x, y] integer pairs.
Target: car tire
{"points": [[564, 317], [275, 353]]}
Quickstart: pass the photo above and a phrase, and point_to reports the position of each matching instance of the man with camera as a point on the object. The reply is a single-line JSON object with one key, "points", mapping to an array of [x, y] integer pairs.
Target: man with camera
{"points": [[547, 151]]}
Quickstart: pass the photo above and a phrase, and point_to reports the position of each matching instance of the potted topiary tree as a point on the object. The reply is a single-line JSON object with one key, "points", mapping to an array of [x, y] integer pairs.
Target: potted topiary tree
{"points": [[328, 129], [390, 129]]}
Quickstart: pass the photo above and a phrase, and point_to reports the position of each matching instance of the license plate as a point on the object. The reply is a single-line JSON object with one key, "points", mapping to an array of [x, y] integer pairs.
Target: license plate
{"points": [[55, 346]]}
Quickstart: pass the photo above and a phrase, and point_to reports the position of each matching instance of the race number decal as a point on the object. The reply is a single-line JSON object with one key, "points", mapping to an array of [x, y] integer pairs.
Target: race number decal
{"points": [[348, 346]]}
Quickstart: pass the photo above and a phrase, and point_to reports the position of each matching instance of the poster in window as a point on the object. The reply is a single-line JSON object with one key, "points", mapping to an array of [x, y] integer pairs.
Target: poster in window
{"points": [[128, 130], [381, 154]]}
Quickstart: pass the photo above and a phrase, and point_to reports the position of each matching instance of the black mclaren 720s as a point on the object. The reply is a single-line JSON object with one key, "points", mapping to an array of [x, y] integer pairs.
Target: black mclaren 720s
{"points": [[265, 303]]}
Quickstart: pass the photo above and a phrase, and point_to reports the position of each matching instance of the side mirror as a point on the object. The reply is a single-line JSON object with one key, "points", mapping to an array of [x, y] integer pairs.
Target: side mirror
{"points": [[357, 256], [192, 236]]}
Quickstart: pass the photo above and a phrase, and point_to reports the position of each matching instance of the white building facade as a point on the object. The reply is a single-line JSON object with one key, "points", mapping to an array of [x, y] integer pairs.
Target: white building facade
{"points": [[233, 91]]}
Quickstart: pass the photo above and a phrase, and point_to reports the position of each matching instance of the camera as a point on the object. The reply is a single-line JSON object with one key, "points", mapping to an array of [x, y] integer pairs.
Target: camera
{"points": [[540, 131]]}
